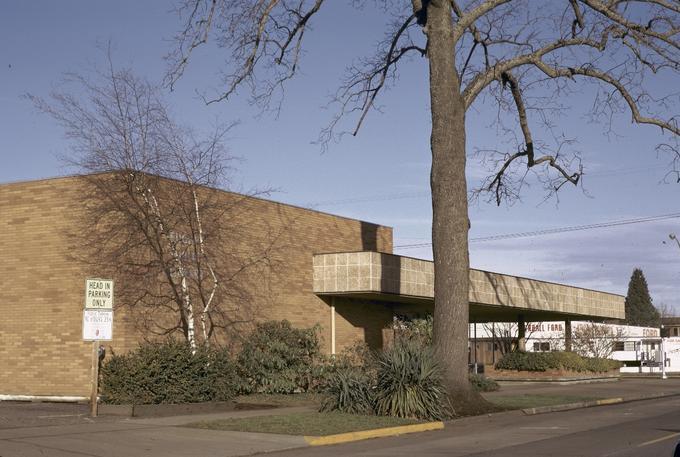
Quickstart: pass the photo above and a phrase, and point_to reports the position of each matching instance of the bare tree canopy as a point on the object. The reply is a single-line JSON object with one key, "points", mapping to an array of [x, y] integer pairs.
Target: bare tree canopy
{"points": [[152, 218], [592, 339], [526, 57], [674, 237]]}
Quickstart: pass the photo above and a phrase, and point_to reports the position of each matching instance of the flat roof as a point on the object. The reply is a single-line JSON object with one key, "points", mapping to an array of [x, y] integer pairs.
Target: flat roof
{"points": [[303, 208]]}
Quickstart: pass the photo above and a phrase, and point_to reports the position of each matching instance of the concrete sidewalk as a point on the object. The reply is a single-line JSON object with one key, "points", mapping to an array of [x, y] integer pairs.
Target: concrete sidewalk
{"points": [[626, 388], [145, 437], [113, 437]]}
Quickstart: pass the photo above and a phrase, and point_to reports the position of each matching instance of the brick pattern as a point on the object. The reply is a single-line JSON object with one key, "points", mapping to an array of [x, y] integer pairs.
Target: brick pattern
{"points": [[387, 273], [42, 286], [361, 322]]}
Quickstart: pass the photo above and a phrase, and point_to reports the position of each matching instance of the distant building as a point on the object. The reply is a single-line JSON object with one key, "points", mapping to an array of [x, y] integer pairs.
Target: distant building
{"points": [[639, 348], [603, 339], [671, 326]]}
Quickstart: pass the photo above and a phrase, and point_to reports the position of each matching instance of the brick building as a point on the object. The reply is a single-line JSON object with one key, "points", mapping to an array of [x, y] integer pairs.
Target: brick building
{"points": [[670, 326], [334, 271]]}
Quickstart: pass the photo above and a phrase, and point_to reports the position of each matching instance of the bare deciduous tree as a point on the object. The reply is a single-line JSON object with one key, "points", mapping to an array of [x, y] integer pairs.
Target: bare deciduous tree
{"points": [[152, 216], [665, 310], [596, 340], [674, 237], [672, 151], [506, 334], [526, 57]]}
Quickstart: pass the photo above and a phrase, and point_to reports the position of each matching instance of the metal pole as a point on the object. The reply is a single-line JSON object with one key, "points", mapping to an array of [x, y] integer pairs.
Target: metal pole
{"points": [[663, 360], [95, 378]]}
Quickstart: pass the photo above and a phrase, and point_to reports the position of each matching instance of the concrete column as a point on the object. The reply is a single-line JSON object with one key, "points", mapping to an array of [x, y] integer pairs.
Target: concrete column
{"points": [[333, 326], [521, 333], [493, 344], [475, 342], [567, 335]]}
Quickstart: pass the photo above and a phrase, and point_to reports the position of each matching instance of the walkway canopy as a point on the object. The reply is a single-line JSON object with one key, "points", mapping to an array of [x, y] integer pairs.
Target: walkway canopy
{"points": [[494, 297]]}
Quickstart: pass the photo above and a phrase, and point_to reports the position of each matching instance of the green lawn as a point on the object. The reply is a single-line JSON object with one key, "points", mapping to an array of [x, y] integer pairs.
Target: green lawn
{"points": [[533, 401], [301, 399], [309, 424]]}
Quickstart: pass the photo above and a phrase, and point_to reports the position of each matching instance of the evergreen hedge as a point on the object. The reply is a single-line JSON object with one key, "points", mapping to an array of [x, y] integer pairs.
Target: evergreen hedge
{"points": [[278, 358], [275, 358], [167, 372], [543, 361]]}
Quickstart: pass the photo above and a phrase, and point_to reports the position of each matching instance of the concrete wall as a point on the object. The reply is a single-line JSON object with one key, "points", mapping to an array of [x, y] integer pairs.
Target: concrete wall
{"points": [[42, 286]]}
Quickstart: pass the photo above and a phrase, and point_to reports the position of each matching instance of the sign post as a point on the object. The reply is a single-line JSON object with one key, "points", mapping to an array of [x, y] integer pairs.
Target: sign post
{"points": [[95, 379], [663, 359], [97, 326]]}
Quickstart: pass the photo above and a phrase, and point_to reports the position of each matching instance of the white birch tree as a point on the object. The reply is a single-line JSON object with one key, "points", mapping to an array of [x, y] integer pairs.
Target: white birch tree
{"points": [[152, 216]]}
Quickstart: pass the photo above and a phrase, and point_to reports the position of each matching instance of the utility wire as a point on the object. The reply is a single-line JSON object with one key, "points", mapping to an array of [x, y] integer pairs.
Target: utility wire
{"points": [[574, 228]]}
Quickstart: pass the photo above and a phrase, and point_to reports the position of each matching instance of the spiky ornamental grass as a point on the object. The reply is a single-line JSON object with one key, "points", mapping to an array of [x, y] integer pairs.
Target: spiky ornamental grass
{"points": [[349, 391], [409, 383]]}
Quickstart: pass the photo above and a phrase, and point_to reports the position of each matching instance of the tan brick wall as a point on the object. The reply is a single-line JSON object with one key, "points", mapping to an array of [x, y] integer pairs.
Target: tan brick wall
{"points": [[42, 287], [361, 321]]}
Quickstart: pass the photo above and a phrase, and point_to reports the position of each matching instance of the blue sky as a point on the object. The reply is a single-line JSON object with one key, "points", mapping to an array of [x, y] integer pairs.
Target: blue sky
{"points": [[41, 40]]}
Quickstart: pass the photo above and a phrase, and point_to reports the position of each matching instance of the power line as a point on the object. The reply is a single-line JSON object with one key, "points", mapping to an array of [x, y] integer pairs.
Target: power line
{"points": [[574, 228]]}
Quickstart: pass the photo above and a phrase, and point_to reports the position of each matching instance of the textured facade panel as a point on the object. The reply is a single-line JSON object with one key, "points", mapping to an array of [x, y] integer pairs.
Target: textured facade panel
{"points": [[392, 274]]}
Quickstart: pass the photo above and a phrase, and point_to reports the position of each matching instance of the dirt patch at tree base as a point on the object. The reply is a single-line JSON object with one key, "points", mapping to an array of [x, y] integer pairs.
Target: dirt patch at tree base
{"points": [[470, 403]]}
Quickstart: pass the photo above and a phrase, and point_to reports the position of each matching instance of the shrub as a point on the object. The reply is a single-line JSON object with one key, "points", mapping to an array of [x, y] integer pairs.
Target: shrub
{"points": [[349, 390], [167, 372], [516, 360], [358, 356], [542, 361], [481, 383], [409, 383], [403, 381], [569, 361], [602, 365], [278, 358], [419, 329]]}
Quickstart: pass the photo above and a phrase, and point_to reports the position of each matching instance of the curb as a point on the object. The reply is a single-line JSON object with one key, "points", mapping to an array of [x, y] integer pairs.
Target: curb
{"points": [[558, 381], [181, 409], [591, 403], [374, 433], [570, 406]]}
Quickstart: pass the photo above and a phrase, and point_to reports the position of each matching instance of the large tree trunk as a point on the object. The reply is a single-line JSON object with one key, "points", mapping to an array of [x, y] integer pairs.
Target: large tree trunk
{"points": [[449, 212]]}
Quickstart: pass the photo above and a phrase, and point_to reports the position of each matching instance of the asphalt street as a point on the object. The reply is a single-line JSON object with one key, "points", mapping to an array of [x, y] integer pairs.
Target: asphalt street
{"points": [[645, 429], [642, 428]]}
